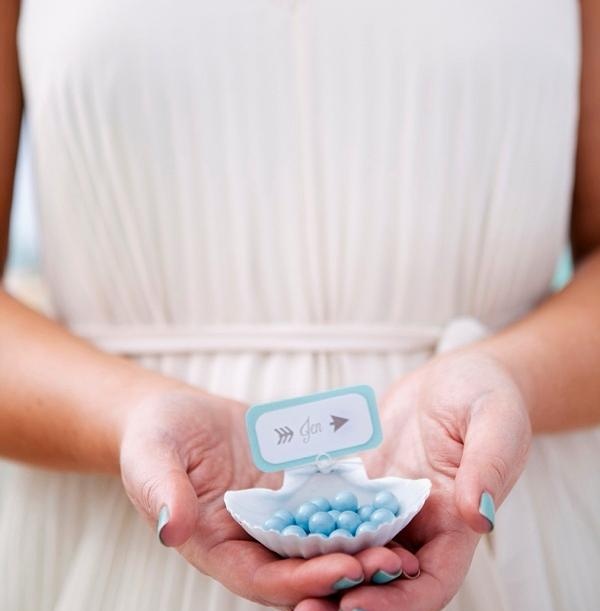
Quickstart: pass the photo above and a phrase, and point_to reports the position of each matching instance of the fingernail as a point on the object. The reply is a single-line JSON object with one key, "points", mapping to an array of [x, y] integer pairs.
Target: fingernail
{"points": [[345, 582], [381, 577], [162, 521], [487, 508], [417, 574]]}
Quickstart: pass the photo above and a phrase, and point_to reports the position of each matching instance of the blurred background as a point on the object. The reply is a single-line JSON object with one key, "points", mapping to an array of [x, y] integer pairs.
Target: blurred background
{"points": [[23, 274], [24, 259]]}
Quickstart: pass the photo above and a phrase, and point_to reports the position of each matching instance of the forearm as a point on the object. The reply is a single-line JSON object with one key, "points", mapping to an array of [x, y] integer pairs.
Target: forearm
{"points": [[554, 353], [62, 402]]}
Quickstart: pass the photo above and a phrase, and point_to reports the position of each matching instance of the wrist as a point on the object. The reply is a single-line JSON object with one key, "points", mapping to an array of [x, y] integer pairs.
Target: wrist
{"points": [[129, 399], [516, 356]]}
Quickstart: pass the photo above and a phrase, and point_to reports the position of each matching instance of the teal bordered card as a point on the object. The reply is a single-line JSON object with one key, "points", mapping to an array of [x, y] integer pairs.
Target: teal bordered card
{"points": [[300, 430]]}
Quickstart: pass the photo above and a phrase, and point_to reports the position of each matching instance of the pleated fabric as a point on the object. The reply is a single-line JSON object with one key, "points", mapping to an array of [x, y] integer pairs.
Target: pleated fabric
{"points": [[272, 197]]}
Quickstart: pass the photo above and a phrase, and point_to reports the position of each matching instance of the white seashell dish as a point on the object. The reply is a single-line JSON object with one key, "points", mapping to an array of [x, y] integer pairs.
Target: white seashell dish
{"points": [[250, 508]]}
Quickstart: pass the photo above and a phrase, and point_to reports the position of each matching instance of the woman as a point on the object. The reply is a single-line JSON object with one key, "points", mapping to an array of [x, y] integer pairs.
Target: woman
{"points": [[253, 199]]}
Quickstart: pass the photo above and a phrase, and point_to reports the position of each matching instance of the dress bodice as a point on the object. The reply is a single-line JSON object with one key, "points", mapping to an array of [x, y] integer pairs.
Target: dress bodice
{"points": [[309, 161]]}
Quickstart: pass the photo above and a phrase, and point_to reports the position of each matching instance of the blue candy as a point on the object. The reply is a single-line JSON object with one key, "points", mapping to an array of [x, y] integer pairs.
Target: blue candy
{"points": [[345, 501], [322, 503], [340, 532], [339, 518], [348, 520], [284, 515], [302, 515], [366, 527], [365, 512], [294, 530], [386, 500], [321, 523], [274, 524], [379, 516]]}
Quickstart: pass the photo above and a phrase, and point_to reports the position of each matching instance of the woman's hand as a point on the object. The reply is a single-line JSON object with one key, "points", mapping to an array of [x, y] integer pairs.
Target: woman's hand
{"points": [[180, 451], [460, 421]]}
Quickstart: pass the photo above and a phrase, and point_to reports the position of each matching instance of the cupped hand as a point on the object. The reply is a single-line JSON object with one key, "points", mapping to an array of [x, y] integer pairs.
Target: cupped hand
{"points": [[462, 422], [181, 450]]}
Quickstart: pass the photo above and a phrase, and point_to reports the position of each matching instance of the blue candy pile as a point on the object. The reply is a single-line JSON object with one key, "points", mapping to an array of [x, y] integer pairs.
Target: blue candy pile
{"points": [[340, 517]]}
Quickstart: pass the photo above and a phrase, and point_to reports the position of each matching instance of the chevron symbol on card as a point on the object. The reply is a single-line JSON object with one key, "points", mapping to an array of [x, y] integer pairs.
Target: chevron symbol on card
{"points": [[285, 434]]}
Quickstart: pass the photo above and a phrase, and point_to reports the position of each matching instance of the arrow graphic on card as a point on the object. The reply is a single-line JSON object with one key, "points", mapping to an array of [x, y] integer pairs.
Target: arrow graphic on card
{"points": [[337, 422], [285, 434]]}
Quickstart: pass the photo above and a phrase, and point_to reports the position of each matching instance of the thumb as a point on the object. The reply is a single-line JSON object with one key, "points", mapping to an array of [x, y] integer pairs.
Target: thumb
{"points": [[157, 482], [494, 454]]}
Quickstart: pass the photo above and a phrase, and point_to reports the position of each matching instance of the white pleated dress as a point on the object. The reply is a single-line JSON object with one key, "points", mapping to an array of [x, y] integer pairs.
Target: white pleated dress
{"points": [[271, 197]]}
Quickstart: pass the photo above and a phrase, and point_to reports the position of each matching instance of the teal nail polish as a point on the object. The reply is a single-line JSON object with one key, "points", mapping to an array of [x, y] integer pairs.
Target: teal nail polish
{"points": [[487, 509], [345, 582], [382, 577], [162, 521]]}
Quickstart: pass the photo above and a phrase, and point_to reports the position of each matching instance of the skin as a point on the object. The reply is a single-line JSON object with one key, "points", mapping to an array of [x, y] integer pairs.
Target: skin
{"points": [[464, 419]]}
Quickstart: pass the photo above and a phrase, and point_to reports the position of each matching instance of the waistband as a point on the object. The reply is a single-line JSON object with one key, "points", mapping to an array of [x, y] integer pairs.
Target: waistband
{"points": [[330, 338]]}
